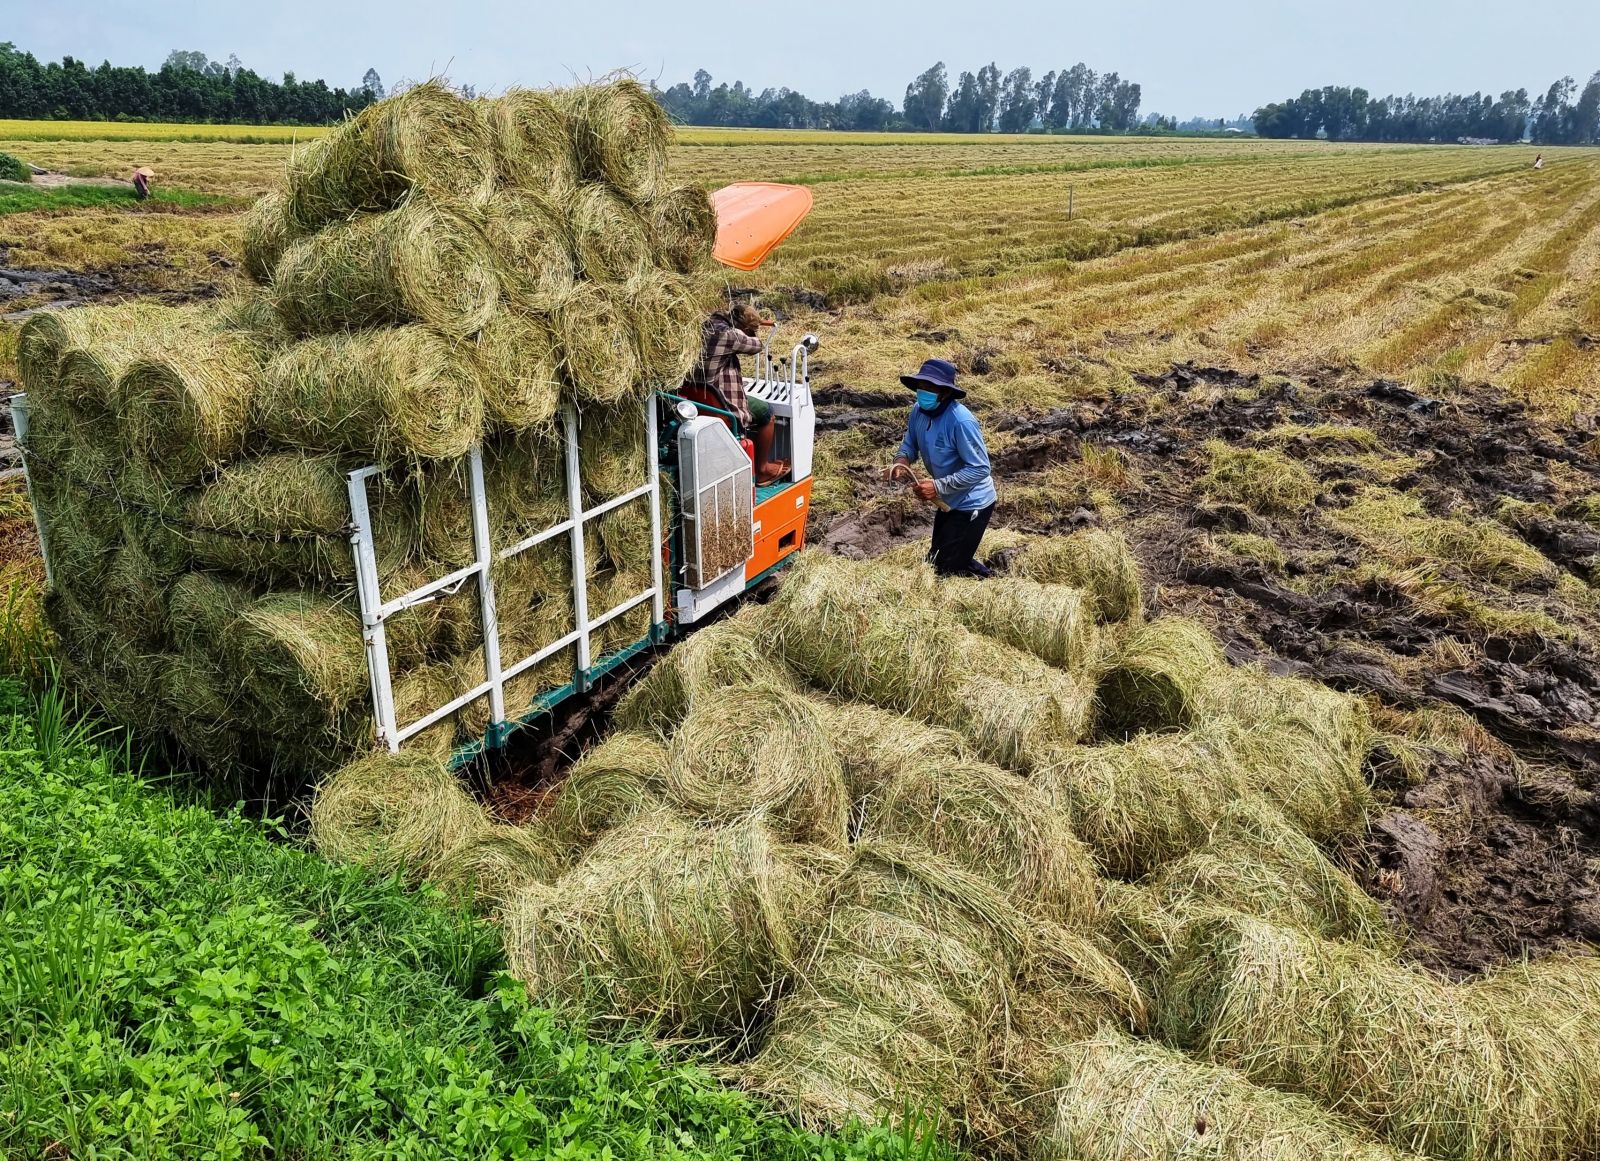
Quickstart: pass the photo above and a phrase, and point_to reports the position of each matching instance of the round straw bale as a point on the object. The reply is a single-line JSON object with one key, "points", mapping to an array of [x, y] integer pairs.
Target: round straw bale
{"points": [[532, 140], [935, 893], [1096, 561], [665, 317], [399, 814], [201, 706], [417, 693], [300, 655], [201, 610], [163, 540], [1387, 1045], [1257, 863], [599, 358], [120, 674], [286, 516], [251, 314], [268, 231], [48, 336], [696, 927], [189, 406], [426, 138], [1158, 678], [608, 236], [133, 595], [846, 626], [723, 654], [492, 866], [620, 778], [521, 365], [524, 489], [532, 240], [992, 823], [683, 227], [1141, 803], [82, 542], [619, 133], [1304, 747], [402, 392], [1110, 1093], [827, 1063], [752, 749], [876, 746], [614, 454], [1547, 1015], [1053, 622], [422, 262]]}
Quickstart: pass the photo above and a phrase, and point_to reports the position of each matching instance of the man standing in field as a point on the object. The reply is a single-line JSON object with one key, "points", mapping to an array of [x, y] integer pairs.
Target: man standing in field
{"points": [[945, 436]]}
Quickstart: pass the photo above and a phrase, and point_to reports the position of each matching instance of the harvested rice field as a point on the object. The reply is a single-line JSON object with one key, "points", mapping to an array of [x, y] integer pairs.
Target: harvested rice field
{"points": [[1250, 811]]}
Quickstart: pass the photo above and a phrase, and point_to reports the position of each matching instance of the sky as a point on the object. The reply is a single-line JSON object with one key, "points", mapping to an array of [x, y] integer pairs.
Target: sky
{"points": [[1215, 57]]}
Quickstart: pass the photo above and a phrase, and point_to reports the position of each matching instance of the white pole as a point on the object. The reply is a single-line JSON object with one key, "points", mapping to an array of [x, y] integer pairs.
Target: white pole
{"points": [[19, 424], [653, 476], [369, 591], [485, 551], [580, 567]]}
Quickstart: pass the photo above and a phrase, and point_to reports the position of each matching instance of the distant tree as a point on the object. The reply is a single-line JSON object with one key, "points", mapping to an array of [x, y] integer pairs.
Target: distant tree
{"points": [[372, 84], [1016, 100], [702, 85], [1043, 90], [193, 61], [988, 97], [1586, 115], [925, 98], [1552, 116], [964, 108]]}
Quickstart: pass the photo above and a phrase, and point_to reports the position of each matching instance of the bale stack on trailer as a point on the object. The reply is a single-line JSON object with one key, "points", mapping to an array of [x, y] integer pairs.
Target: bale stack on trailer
{"points": [[435, 274]]}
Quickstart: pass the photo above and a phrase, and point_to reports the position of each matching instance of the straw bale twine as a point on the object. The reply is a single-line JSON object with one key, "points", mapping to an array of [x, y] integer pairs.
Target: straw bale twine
{"points": [[1094, 560], [391, 394], [599, 357], [521, 366], [1390, 1046], [753, 749], [725, 653], [399, 814], [623, 776], [683, 228], [426, 138], [267, 232], [532, 140], [285, 516], [1110, 1094], [620, 135], [531, 237], [422, 262], [693, 927]]}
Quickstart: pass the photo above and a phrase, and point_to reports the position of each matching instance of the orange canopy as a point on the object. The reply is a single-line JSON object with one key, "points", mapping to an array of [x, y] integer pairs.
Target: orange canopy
{"points": [[753, 217]]}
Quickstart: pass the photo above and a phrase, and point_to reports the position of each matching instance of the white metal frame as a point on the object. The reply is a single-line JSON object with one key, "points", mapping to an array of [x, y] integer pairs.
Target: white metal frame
{"points": [[19, 425], [375, 611]]}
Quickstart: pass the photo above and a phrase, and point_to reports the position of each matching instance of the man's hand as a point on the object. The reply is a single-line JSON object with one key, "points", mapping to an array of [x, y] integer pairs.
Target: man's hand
{"points": [[925, 490]]}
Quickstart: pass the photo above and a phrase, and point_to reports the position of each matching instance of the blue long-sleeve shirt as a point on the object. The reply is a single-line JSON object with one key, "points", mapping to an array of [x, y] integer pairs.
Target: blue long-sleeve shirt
{"points": [[951, 447]]}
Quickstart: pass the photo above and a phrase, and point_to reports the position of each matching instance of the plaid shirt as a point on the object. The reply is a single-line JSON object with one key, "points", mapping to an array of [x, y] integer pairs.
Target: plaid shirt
{"points": [[721, 345]]}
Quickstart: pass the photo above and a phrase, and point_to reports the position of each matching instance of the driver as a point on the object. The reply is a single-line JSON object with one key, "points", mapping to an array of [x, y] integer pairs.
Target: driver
{"points": [[724, 337]]}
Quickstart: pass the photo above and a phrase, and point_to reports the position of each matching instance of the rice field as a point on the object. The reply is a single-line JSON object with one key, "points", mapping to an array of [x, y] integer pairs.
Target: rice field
{"points": [[1067, 259]]}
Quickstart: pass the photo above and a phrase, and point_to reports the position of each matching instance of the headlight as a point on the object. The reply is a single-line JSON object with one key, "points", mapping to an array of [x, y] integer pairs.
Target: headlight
{"points": [[687, 410]]}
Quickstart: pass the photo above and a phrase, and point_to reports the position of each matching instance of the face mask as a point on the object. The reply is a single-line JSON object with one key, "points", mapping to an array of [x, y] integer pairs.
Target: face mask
{"points": [[927, 400]]}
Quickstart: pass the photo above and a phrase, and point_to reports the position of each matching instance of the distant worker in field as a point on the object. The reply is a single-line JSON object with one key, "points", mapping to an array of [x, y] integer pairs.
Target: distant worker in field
{"points": [[724, 337], [141, 182], [945, 436], [1538, 162]]}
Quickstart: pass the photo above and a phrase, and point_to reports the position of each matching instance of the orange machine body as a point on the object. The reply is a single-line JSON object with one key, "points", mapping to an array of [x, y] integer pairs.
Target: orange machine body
{"points": [[780, 528]]}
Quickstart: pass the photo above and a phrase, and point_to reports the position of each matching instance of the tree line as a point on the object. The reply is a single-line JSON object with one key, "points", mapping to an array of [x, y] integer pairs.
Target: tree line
{"points": [[1350, 114], [1076, 99], [188, 87]]}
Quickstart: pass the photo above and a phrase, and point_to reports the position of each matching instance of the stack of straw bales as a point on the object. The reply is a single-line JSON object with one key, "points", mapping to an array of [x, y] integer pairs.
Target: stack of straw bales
{"points": [[435, 273], [1065, 888]]}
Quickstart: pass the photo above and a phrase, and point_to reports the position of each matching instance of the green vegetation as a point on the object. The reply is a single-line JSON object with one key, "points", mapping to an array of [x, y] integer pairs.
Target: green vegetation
{"points": [[1267, 481], [68, 197], [12, 169], [175, 984], [1397, 527]]}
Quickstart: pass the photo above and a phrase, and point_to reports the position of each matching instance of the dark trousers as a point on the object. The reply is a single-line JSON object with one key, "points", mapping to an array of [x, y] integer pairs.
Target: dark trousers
{"points": [[956, 536]]}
